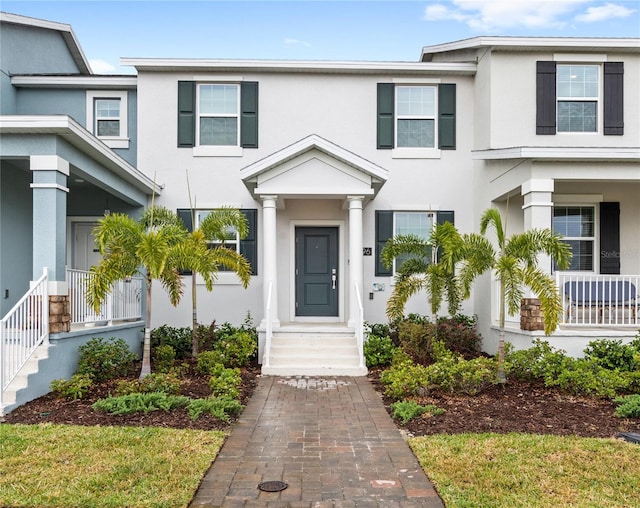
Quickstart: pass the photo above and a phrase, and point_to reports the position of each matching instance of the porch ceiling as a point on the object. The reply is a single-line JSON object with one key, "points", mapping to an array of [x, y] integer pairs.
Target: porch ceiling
{"points": [[314, 168]]}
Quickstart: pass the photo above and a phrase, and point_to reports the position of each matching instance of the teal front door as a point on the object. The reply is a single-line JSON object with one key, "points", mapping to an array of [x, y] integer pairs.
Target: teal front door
{"points": [[317, 271]]}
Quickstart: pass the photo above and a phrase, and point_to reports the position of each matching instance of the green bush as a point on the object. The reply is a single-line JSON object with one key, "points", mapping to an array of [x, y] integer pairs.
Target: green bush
{"points": [[540, 362], [178, 338], [103, 360], [225, 382], [206, 336], [237, 345], [585, 377], [404, 379], [154, 382], [141, 403], [416, 339], [207, 361], [460, 335], [405, 410], [75, 388], [220, 407], [164, 357], [378, 351], [613, 354], [628, 406]]}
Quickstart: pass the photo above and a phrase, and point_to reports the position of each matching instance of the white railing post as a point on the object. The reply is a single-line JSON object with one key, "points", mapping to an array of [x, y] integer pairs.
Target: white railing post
{"points": [[360, 326], [269, 328]]}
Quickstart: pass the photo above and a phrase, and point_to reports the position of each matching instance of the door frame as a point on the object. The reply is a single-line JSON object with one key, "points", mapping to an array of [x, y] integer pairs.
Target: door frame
{"points": [[342, 276], [71, 238]]}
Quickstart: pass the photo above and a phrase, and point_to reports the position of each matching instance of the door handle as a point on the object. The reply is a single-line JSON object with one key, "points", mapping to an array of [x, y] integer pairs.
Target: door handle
{"points": [[334, 278]]}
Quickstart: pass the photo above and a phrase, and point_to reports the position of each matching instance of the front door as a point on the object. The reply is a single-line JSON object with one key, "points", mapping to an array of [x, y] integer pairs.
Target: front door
{"points": [[86, 251], [317, 271]]}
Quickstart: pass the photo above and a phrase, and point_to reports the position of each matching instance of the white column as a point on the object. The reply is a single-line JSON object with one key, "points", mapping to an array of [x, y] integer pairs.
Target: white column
{"points": [[538, 209], [355, 256], [269, 254]]}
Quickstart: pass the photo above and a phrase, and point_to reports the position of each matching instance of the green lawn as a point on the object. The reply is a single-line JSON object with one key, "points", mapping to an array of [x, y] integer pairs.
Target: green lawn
{"points": [[533, 471], [70, 466]]}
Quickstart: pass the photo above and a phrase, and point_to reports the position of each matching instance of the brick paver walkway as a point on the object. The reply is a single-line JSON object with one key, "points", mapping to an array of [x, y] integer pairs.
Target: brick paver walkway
{"points": [[330, 439]]}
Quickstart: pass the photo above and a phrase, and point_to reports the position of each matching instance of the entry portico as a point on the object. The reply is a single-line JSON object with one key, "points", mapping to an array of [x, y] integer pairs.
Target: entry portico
{"points": [[291, 183]]}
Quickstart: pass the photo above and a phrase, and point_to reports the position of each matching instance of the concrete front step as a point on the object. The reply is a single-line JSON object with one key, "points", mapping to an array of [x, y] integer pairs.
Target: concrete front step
{"points": [[21, 381]]}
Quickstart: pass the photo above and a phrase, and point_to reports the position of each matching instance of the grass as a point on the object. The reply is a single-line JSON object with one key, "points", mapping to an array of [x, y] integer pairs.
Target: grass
{"points": [[69, 466], [533, 471]]}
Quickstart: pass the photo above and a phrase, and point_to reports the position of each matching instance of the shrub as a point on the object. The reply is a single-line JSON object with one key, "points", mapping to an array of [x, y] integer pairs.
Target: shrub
{"points": [[404, 379], [541, 362], [613, 354], [163, 358], [220, 407], [206, 336], [379, 329], [585, 377], [154, 382], [103, 360], [140, 403], [238, 346], [75, 388], [416, 339], [628, 406], [378, 351], [178, 338], [405, 410], [207, 361], [225, 382], [460, 335]]}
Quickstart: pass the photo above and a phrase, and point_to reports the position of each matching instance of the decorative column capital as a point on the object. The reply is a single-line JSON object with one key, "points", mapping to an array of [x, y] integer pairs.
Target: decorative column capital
{"points": [[49, 163]]}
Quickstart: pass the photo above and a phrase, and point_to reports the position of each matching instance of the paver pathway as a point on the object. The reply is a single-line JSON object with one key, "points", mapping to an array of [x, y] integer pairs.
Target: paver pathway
{"points": [[330, 439]]}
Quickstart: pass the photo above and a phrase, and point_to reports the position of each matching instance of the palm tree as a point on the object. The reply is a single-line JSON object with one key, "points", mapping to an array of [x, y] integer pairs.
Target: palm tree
{"points": [[217, 228], [156, 247], [516, 268], [461, 259]]}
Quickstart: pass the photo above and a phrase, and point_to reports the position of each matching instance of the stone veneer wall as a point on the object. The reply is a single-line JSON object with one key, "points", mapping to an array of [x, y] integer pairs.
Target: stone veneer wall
{"points": [[59, 316], [530, 315]]}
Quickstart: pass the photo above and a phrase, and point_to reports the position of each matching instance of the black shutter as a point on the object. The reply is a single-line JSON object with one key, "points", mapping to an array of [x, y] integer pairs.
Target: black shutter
{"points": [[546, 98], [613, 98], [610, 238], [186, 215], [249, 244], [447, 117], [384, 231], [249, 115], [442, 217], [186, 113], [385, 115]]}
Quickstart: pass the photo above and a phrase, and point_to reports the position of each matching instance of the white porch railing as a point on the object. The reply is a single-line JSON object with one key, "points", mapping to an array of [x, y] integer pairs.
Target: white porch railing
{"points": [[22, 330], [360, 326], [599, 300], [124, 301], [269, 326]]}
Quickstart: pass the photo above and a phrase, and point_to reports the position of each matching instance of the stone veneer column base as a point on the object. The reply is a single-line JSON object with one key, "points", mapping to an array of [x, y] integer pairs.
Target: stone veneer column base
{"points": [[59, 316], [530, 315]]}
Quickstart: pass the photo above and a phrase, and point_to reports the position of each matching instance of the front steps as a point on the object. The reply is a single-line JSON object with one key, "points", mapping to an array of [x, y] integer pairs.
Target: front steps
{"points": [[314, 350], [11, 396]]}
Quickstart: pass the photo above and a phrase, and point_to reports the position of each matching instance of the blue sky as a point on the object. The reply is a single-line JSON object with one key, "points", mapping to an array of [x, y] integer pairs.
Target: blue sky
{"points": [[315, 30]]}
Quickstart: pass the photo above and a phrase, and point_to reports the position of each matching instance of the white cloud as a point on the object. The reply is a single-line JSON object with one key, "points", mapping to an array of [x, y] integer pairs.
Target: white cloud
{"points": [[497, 15], [101, 67], [604, 12], [294, 42]]}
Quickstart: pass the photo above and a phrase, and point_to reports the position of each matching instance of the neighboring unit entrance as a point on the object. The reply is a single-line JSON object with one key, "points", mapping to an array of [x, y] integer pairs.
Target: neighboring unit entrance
{"points": [[317, 271]]}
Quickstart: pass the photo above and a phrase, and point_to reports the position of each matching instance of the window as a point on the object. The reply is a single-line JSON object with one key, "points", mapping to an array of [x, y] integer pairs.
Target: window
{"points": [[389, 223], [217, 119], [577, 94], [416, 116], [218, 114], [416, 121], [231, 237], [107, 117], [580, 98], [577, 226]]}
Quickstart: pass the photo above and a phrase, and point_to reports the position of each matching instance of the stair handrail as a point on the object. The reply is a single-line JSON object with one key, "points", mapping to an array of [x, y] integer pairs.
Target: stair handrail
{"points": [[269, 328], [27, 323], [360, 326]]}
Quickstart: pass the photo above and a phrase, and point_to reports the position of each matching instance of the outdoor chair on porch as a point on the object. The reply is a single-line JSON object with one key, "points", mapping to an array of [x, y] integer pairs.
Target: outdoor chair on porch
{"points": [[613, 295]]}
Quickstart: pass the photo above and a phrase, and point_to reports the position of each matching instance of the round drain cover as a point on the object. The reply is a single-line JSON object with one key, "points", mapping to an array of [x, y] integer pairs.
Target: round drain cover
{"points": [[274, 486]]}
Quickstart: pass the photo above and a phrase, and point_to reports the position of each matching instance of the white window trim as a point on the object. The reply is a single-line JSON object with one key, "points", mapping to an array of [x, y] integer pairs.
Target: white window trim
{"points": [[414, 150], [121, 141], [217, 150], [599, 99]]}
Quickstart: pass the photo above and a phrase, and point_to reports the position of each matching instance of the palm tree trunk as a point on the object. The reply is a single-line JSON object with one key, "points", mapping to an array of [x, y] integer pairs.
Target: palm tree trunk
{"points": [[146, 348], [502, 378], [194, 318]]}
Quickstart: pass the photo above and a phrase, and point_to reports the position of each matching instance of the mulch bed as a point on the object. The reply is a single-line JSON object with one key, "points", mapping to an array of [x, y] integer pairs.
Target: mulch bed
{"points": [[514, 407]]}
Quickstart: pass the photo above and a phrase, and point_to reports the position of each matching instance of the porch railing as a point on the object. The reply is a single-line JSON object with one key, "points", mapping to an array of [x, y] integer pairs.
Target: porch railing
{"points": [[123, 303], [360, 326], [599, 300], [22, 330]]}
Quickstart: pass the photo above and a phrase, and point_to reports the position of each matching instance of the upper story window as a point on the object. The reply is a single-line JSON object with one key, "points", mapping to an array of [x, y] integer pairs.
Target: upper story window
{"points": [[416, 116], [577, 93], [217, 119], [580, 97], [107, 117], [218, 114], [577, 226], [416, 120]]}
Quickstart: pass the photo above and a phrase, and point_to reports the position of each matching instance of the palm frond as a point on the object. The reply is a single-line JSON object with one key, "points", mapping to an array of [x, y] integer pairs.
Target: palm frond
{"points": [[403, 244], [544, 287], [492, 217], [216, 224], [405, 288]]}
